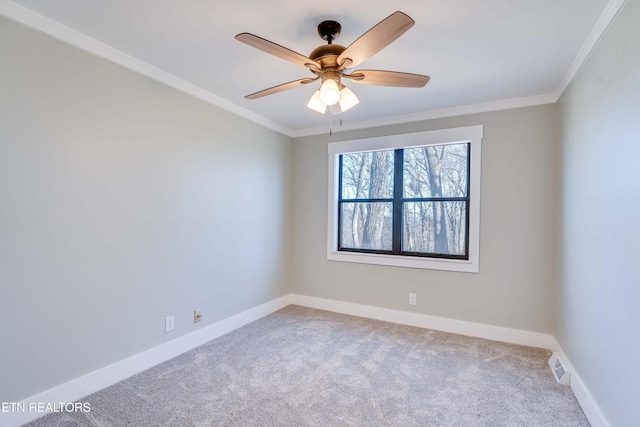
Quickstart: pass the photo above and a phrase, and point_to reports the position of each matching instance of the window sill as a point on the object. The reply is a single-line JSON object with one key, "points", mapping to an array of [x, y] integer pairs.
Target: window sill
{"points": [[466, 266]]}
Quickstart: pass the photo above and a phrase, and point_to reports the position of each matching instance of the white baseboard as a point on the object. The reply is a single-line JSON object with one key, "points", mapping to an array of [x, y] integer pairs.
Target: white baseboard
{"points": [[479, 330], [77, 389], [589, 406], [535, 339]]}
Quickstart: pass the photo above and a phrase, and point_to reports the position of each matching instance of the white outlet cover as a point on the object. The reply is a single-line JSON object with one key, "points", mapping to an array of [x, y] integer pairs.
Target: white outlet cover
{"points": [[412, 299], [169, 323]]}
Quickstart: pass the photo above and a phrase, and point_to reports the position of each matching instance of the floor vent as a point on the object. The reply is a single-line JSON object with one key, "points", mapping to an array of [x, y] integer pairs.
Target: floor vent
{"points": [[559, 372]]}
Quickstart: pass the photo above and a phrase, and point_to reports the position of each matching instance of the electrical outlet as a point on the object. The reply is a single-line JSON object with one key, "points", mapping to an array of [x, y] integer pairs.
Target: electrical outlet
{"points": [[169, 323], [412, 299], [197, 315]]}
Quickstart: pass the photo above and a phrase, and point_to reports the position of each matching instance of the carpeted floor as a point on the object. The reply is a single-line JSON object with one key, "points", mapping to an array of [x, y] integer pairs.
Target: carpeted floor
{"points": [[306, 367]]}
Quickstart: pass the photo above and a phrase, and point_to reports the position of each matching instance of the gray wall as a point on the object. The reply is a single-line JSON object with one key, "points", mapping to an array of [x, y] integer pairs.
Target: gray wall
{"points": [[598, 297], [122, 202], [517, 233]]}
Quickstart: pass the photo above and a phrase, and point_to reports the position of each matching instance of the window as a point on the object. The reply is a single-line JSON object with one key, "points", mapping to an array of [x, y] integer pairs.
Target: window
{"points": [[408, 200]]}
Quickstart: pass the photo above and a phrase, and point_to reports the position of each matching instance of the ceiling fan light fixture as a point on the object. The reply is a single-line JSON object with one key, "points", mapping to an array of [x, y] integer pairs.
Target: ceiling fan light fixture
{"points": [[348, 99], [329, 92], [316, 104], [329, 62]]}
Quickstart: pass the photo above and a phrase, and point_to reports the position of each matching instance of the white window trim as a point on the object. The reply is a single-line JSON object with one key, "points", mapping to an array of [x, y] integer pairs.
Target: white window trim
{"points": [[471, 134]]}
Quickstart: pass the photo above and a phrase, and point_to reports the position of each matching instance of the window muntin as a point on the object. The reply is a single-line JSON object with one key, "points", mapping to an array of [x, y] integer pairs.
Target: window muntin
{"points": [[407, 201]]}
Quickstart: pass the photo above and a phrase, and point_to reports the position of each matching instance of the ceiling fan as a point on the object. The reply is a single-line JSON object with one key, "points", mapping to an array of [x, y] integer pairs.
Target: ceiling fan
{"points": [[330, 62]]}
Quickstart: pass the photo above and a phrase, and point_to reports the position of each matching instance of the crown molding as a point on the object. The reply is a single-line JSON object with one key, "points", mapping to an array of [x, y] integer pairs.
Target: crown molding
{"points": [[603, 23], [464, 110], [77, 39]]}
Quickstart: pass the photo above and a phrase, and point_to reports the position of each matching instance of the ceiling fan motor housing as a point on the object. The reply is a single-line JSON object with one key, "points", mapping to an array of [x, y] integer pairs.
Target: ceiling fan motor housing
{"points": [[327, 55]]}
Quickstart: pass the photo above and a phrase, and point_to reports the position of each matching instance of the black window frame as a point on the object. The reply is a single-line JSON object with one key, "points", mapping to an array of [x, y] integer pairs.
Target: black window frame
{"points": [[398, 200]]}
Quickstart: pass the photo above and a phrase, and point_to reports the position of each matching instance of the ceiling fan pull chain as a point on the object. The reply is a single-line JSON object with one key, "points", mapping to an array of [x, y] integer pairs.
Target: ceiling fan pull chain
{"points": [[330, 120], [340, 104]]}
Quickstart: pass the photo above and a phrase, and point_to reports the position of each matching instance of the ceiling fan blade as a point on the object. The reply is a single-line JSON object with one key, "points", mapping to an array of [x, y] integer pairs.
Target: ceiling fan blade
{"points": [[280, 88], [377, 38], [275, 49], [388, 78]]}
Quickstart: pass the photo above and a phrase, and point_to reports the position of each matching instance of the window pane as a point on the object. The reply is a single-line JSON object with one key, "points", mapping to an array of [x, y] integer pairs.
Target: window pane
{"points": [[436, 171], [366, 225], [367, 175], [434, 227]]}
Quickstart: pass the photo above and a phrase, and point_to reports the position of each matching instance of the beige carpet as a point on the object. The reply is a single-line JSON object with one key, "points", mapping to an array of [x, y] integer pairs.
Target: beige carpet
{"points": [[306, 367]]}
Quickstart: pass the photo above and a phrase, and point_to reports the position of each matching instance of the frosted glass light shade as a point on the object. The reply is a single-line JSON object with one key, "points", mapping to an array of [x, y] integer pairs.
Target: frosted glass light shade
{"points": [[329, 92], [347, 99], [316, 104]]}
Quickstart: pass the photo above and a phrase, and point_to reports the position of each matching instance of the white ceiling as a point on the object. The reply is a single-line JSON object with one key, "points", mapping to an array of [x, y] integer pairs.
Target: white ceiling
{"points": [[488, 52]]}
